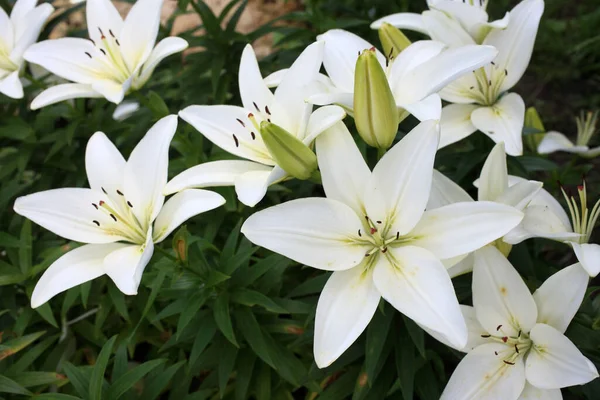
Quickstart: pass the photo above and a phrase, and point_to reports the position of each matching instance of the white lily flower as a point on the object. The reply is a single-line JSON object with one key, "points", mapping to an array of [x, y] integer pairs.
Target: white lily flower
{"points": [[586, 128], [414, 76], [125, 203], [454, 22], [125, 110], [373, 233], [17, 33], [119, 57], [517, 348], [482, 98], [237, 129]]}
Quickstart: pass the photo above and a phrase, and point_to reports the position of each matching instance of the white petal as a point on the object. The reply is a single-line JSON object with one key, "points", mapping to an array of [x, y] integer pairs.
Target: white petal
{"points": [[252, 186], [104, 164], [416, 283], [456, 123], [589, 257], [27, 32], [560, 296], [483, 375], [20, 10], [556, 141], [461, 90], [125, 266], [252, 87], [444, 28], [410, 21], [213, 174], [401, 182], [68, 213], [493, 180], [437, 72], [346, 305], [532, 393], [182, 207], [444, 191], [166, 47], [428, 108], [467, 15], [340, 54], [540, 221], [502, 301], [111, 90], [102, 14], [69, 59], [345, 100], [220, 125], [125, 110], [74, 268], [274, 79], [554, 362], [503, 122], [139, 31], [344, 172], [461, 228], [520, 195], [321, 120], [146, 170], [6, 30], [11, 86], [320, 233], [475, 331], [515, 43], [463, 266], [66, 91]]}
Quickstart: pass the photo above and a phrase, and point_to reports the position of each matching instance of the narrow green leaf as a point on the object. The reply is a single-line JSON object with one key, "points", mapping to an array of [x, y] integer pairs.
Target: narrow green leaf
{"points": [[405, 364], [416, 334], [223, 318], [46, 312], [7, 385], [226, 364], [191, 309], [377, 332], [125, 382], [55, 396], [157, 105], [119, 362], [37, 378], [263, 382], [253, 334], [7, 241], [26, 359], [209, 20], [118, 300], [230, 244], [97, 378], [13, 346], [78, 378], [251, 298], [247, 359], [205, 335], [160, 381]]}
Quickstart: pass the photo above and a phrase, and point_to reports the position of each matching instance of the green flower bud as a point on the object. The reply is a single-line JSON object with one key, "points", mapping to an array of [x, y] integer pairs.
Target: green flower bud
{"points": [[392, 40], [375, 112], [534, 129], [293, 156]]}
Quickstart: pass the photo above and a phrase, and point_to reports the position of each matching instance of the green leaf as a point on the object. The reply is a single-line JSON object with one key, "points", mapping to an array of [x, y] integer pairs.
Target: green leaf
{"points": [[222, 317], [55, 396], [31, 355], [251, 331], [97, 378], [160, 382], [405, 364], [377, 332], [46, 312], [25, 249], [209, 20], [191, 309], [230, 244], [157, 105], [7, 385], [125, 382], [37, 378], [78, 378], [226, 364], [416, 334], [202, 339], [252, 298], [15, 345], [7, 240], [118, 300], [247, 359]]}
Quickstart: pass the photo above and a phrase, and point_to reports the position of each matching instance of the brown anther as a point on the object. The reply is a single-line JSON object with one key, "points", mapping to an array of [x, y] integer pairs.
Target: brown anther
{"points": [[367, 255], [103, 52], [486, 336], [113, 217], [359, 234], [88, 54], [253, 135], [129, 204], [101, 33], [256, 106], [384, 250], [235, 139], [397, 235], [505, 339], [96, 222], [490, 82], [472, 87], [267, 110], [95, 205], [519, 334], [119, 192], [111, 33], [117, 42], [241, 122], [495, 352], [517, 349], [378, 222], [508, 362], [498, 327], [104, 190], [505, 72], [493, 63], [94, 43]]}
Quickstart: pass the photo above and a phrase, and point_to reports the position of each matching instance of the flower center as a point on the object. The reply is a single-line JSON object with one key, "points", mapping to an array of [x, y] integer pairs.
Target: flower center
{"points": [[517, 346], [115, 216], [586, 127], [583, 219], [489, 82], [376, 234], [112, 59], [5, 63]]}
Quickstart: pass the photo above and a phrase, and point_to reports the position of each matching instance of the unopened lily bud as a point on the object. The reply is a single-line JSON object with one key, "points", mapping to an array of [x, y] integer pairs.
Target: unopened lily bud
{"points": [[375, 112], [288, 151], [392, 40]]}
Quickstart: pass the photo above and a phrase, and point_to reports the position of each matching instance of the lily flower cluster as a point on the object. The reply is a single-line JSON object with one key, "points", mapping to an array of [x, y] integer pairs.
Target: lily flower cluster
{"points": [[397, 232]]}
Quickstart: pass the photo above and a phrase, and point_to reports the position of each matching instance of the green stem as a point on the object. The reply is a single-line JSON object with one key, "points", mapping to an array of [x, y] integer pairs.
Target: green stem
{"points": [[166, 253], [380, 153]]}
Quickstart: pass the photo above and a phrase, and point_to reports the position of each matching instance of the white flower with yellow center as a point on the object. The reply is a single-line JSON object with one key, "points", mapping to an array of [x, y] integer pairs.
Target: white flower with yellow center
{"points": [[119, 57], [125, 203], [586, 129]]}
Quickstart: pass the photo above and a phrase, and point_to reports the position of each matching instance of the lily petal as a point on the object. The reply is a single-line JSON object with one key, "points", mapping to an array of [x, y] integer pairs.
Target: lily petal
{"points": [[6, 30], [401, 182], [252, 186], [212, 174], [410, 21], [589, 257], [444, 191], [502, 301], [12, 86], [560, 296], [416, 283], [146, 170], [66, 91], [532, 393], [444, 28], [344, 172], [503, 122], [540, 221], [182, 207], [456, 123], [464, 266], [166, 47], [139, 31], [68, 213], [102, 17], [483, 375], [346, 305], [126, 265], [428, 108], [321, 233], [27, 32], [220, 125], [475, 331], [20, 10], [74, 268], [460, 228], [493, 180], [520, 195], [515, 43], [322, 119], [111, 90], [274, 79], [411, 58], [253, 90], [104, 165], [556, 141], [554, 362], [125, 110], [345, 100]]}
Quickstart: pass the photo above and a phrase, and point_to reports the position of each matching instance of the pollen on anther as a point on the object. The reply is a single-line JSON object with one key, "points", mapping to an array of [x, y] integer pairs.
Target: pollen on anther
{"points": [[253, 135], [495, 352], [378, 222], [490, 82], [103, 52], [235, 139], [96, 222], [505, 72], [117, 42], [241, 122], [486, 336], [517, 349], [111, 33], [113, 217], [472, 87], [493, 63], [397, 235], [519, 335]]}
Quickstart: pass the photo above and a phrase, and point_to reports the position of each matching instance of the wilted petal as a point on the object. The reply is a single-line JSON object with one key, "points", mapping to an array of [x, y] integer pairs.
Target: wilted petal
{"points": [[483, 375], [554, 362], [346, 305], [589, 257], [126, 265], [416, 283], [502, 301], [74, 268], [560, 296], [456, 123], [66, 91], [461, 228], [503, 122]]}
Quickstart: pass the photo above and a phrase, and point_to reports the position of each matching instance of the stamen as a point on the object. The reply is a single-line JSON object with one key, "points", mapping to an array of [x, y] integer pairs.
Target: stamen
{"points": [[505, 72], [104, 190], [373, 230], [103, 52], [493, 63], [486, 336], [235, 139], [505, 339], [94, 43], [255, 106], [397, 235], [498, 327], [96, 222], [519, 335], [267, 110], [117, 42], [517, 349], [384, 250], [101, 203], [508, 362], [95, 205], [359, 234], [113, 217], [241, 122], [88, 54], [113, 35], [253, 135], [379, 222], [119, 192], [129, 204], [495, 352], [101, 33]]}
